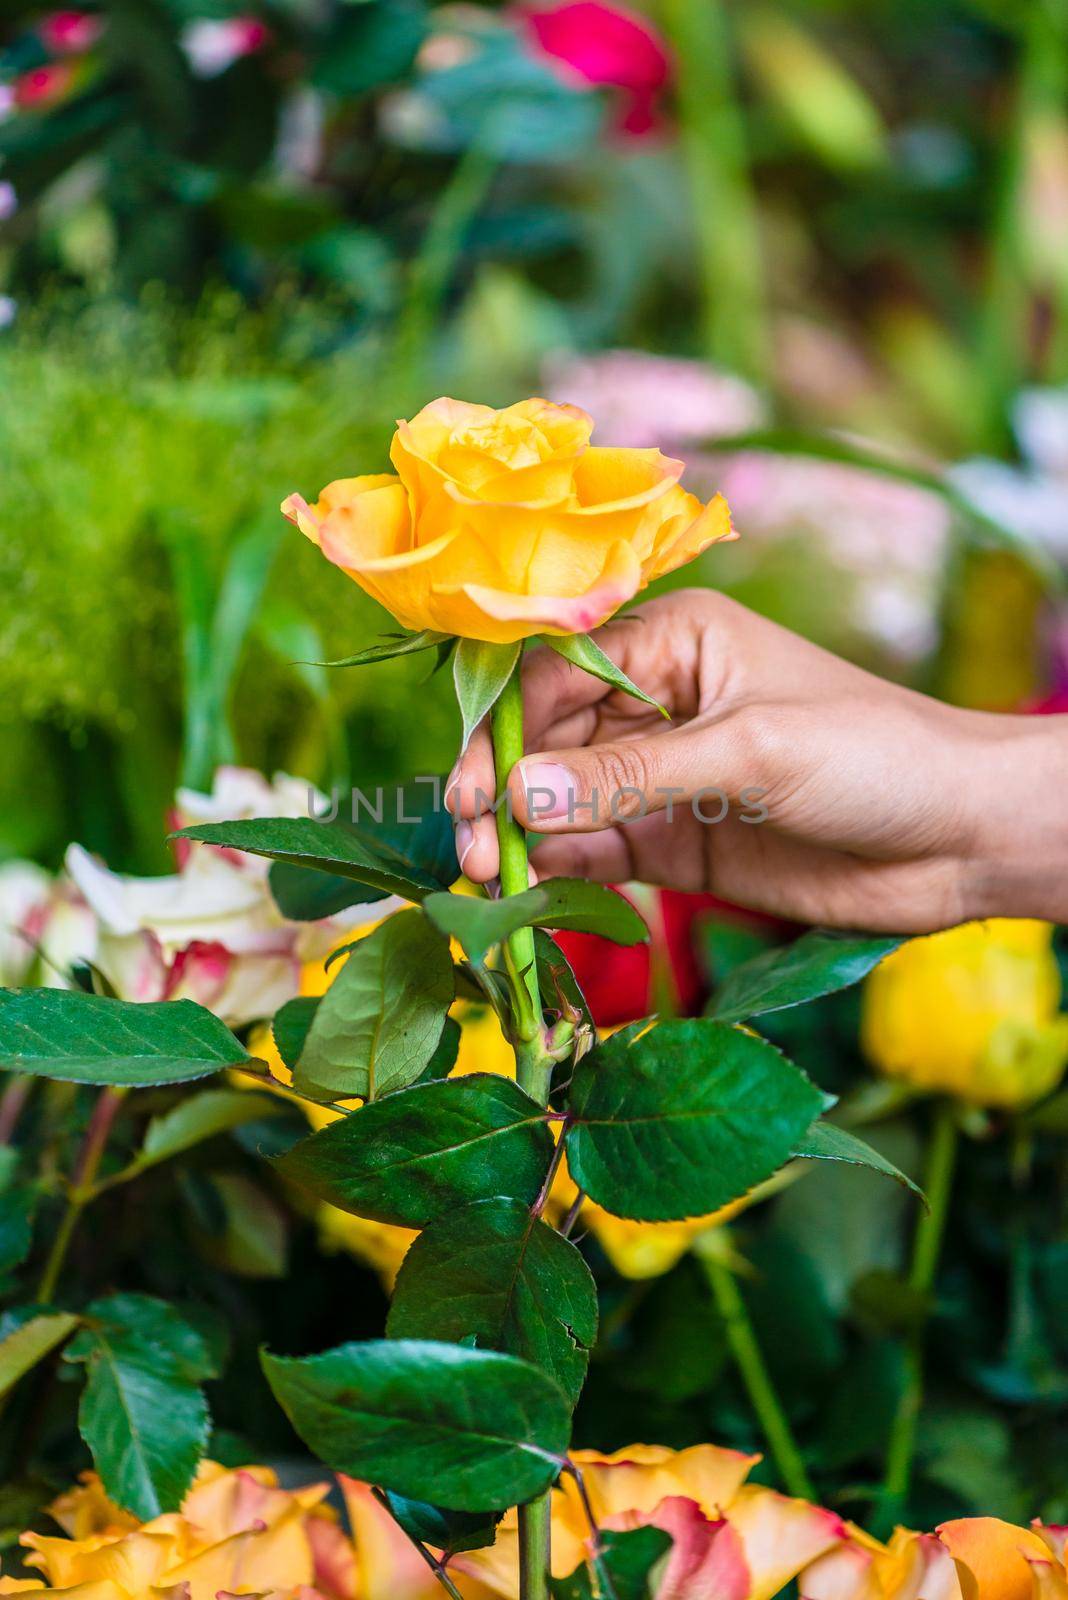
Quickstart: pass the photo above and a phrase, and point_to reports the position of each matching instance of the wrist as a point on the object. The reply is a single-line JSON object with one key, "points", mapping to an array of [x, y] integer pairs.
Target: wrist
{"points": [[1016, 860]]}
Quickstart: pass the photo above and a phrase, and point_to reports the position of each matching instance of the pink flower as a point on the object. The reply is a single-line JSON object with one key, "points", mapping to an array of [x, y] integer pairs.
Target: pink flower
{"points": [[886, 540], [209, 932], [9, 200], [44, 85], [212, 45], [642, 399], [607, 47], [68, 33]]}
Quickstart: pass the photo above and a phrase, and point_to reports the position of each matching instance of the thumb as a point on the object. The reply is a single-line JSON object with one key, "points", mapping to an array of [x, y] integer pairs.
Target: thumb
{"points": [[598, 786]]}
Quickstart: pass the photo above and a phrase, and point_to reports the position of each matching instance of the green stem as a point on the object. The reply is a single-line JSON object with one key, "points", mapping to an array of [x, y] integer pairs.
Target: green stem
{"points": [[81, 1190], [926, 1249], [757, 1380], [533, 1066], [438, 1568], [534, 1549]]}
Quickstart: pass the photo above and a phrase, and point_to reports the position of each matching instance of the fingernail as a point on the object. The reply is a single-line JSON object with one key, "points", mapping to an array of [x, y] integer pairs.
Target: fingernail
{"points": [[549, 790], [453, 780], [465, 838]]}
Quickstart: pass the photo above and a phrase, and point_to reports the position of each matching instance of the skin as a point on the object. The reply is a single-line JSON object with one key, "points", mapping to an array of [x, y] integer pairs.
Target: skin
{"points": [[885, 809]]}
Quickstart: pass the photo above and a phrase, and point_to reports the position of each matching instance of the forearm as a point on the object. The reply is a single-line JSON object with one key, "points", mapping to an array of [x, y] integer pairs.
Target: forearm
{"points": [[1016, 861]]}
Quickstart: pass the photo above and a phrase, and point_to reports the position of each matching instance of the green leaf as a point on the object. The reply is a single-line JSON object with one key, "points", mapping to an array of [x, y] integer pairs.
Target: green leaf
{"points": [[401, 645], [251, 1236], [361, 852], [85, 1038], [627, 1561], [474, 1429], [291, 1025], [379, 1023], [825, 1141], [17, 1206], [368, 46], [448, 1531], [201, 1117], [142, 1413], [445, 1056], [406, 819], [30, 1342], [556, 903], [682, 1118], [498, 1275], [819, 963], [304, 895], [557, 984], [427, 1150], [480, 671], [580, 650]]}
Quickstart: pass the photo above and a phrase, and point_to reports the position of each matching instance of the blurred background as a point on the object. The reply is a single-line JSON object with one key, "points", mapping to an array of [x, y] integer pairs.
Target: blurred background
{"points": [[818, 248]]}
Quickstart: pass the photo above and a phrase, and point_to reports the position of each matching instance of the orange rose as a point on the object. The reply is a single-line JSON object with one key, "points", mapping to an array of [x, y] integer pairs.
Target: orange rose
{"points": [[972, 1558], [236, 1531], [729, 1538], [504, 524]]}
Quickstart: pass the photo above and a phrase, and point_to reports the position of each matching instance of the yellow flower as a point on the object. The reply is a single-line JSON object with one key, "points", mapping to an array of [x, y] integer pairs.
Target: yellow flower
{"points": [[970, 1012], [504, 524], [730, 1538], [382, 1245], [972, 1558], [236, 1531], [483, 1047], [636, 1249]]}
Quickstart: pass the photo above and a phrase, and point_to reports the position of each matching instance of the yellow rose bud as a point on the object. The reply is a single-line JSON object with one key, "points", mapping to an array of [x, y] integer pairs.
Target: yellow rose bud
{"points": [[971, 1012], [504, 524]]}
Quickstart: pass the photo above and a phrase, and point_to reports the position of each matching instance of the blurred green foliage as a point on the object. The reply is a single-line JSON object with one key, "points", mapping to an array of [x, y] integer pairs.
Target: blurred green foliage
{"points": [[240, 243]]}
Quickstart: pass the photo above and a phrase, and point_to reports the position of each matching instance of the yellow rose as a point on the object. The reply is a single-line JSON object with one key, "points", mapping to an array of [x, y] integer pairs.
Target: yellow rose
{"points": [[504, 524], [970, 1012], [636, 1249], [973, 1558], [236, 1531], [753, 1539]]}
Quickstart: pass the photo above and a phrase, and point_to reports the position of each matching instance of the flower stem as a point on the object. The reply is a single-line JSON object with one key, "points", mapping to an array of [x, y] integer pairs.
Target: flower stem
{"points": [[926, 1249], [438, 1568], [81, 1189], [757, 1380], [533, 1065]]}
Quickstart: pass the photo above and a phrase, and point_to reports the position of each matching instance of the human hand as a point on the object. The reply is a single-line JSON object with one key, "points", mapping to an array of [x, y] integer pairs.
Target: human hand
{"points": [[848, 800]]}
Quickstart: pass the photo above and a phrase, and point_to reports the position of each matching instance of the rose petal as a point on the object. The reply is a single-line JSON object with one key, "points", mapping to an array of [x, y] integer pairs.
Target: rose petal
{"points": [[617, 480], [639, 1477], [992, 1557], [619, 582], [780, 1536], [298, 511], [700, 526], [388, 1565]]}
